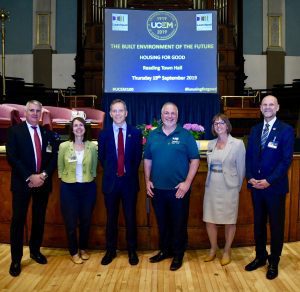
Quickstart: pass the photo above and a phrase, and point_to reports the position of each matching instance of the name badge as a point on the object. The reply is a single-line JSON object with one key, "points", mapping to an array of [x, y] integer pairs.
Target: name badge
{"points": [[49, 148], [273, 144], [72, 158]]}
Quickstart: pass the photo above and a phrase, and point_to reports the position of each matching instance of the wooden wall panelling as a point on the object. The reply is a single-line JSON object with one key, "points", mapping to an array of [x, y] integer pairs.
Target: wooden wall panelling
{"points": [[146, 222], [294, 227], [5, 213]]}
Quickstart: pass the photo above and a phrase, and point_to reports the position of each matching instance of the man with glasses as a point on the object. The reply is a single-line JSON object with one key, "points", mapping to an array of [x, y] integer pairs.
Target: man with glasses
{"points": [[171, 160], [268, 157]]}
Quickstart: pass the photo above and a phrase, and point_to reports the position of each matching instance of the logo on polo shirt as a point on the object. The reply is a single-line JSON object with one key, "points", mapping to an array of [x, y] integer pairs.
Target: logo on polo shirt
{"points": [[175, 140]]}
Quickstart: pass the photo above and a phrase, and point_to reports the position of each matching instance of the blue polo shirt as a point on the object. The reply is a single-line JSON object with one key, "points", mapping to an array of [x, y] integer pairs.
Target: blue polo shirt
{"points": [[170, 156]]}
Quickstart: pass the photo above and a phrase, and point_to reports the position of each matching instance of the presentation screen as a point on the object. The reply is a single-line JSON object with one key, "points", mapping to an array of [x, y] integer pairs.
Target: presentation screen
{"points": [[160, 51]]}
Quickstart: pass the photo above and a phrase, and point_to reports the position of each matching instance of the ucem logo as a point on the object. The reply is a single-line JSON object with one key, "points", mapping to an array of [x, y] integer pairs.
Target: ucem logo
{"points": [[162, 25]]}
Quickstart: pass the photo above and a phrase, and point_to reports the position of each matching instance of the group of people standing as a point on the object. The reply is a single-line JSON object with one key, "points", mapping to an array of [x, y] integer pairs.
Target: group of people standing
{"points": [[171, 160]]}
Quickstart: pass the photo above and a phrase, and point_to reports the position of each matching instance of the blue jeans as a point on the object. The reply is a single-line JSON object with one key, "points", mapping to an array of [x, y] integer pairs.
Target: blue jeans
{"points": [[77, 201]]}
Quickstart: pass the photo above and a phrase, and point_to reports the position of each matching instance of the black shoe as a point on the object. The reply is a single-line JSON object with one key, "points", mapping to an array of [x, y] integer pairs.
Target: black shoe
{"points": [[15, 269], [108, 257], [272, 272], [39, 258], [255, 264], [133, 258], [159, 257], [176, 263]]}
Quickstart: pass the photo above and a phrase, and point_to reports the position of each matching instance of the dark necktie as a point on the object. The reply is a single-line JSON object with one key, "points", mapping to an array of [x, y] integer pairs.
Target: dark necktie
{"points": [[38, 149], [264, 136], [120, 153]]}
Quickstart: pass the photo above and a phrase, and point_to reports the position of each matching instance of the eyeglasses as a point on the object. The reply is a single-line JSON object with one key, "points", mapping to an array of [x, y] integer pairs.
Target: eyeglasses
{"points": [[219, 123]]}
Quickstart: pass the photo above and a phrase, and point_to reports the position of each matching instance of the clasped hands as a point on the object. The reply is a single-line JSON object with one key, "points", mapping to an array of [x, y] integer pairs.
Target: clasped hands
{"points": [[259, 183], [36, 180], [182, 188]]}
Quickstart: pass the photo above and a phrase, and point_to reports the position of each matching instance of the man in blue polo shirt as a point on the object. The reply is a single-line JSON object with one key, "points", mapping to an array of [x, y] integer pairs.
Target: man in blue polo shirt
{"points": [[171, 160]]}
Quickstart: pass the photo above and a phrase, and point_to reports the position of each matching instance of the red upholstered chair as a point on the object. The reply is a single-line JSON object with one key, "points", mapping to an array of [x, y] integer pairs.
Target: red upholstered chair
{"points": [[9, 116], [45, 117], [59, 115], [95, 117]]}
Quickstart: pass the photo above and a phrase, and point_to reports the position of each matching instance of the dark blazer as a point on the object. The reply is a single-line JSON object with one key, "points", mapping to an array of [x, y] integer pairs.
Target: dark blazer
{"points": [[108, 157], [271, 163], [20, 155]]}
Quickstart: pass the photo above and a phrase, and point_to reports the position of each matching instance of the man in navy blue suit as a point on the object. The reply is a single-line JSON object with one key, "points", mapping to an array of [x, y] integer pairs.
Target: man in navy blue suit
{"points": [[32, 167], [268, 157], [120, 180]]}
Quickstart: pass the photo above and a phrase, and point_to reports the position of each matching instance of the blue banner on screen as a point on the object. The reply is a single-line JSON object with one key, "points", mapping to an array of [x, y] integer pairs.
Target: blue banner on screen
{"points": [[160, 51]]}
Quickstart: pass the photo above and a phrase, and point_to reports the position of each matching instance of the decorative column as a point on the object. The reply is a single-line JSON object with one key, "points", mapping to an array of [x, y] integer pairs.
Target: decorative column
{"points": [[44, 16], [275, 40], [4, 15]]}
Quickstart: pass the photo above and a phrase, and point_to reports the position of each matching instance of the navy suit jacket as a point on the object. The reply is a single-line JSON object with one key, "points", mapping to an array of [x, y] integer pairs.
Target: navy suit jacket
{"points": [[107, 155], [20, 155], [271, 163]]}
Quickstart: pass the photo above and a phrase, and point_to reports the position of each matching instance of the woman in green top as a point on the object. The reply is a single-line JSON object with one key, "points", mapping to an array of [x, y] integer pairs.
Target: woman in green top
{"points": [[77, 165]]}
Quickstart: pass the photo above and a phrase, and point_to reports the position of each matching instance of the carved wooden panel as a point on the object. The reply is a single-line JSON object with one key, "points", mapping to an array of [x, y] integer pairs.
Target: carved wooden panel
{"points": [[146, 222]]}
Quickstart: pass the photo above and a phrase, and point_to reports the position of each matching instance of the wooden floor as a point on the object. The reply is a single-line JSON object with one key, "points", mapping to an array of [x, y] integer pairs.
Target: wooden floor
{"points": [[60, 274]]}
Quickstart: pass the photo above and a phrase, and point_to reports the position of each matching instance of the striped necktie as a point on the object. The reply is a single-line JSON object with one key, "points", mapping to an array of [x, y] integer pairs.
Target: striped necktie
{"points": [[264, 136]]}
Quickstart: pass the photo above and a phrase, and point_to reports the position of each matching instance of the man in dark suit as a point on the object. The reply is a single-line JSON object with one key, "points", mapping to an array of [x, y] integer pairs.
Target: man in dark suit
{"points": [[268, 157], [120, 153], [32, 153]]}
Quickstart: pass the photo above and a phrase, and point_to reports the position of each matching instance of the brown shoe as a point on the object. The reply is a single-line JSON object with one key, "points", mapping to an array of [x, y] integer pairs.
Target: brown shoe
{"points": [[225, 260], [210, 257]]}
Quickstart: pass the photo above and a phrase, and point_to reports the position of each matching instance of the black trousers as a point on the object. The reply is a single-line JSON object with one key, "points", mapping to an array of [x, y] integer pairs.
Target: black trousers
{"points": [[172, 218], [268, 207], [77, 201], [122, 192], [20, 203]]}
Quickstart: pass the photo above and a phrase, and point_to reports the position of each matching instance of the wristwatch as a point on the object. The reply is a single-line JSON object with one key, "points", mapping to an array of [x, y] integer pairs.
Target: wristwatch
{"points": [[44, 174]]}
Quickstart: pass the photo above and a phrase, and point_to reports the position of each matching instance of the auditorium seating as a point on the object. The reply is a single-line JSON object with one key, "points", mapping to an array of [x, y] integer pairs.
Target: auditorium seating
{"points": [[59, 116], [9, 116], [95, 117], [45, 117]]}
